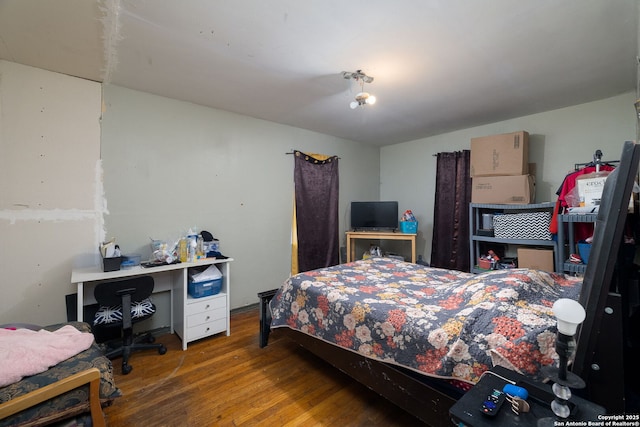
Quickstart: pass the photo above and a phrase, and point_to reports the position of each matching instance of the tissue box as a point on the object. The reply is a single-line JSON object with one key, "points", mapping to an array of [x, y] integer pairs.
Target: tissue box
{"points": [[205, 288]]}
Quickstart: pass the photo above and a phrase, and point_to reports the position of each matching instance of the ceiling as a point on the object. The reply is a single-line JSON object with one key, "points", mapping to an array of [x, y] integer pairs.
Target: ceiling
{"points": [[438, 65]]}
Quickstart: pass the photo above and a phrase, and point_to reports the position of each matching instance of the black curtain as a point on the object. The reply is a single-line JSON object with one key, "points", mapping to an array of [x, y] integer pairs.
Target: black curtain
{"points": [[450, 246], [316, 188]]}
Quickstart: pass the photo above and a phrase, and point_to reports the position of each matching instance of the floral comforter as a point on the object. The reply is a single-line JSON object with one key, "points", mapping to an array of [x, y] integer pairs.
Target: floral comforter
{"points": [[442, 323]]}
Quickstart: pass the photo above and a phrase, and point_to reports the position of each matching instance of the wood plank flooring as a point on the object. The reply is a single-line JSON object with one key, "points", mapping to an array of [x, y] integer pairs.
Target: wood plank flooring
{"points": [[231, 381]]}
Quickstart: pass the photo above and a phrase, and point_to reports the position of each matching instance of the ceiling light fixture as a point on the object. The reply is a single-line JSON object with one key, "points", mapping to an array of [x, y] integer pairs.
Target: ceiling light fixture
{"points": [[362, 97]]}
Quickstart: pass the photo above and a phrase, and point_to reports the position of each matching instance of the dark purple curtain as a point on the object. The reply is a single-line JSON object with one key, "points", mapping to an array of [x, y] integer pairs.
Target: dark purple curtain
{"points": [[450, 246], [316, 188]]}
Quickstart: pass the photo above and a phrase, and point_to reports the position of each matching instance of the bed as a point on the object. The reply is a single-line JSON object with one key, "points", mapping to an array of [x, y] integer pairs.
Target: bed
{"points": [[442, 323], [419, 335]]}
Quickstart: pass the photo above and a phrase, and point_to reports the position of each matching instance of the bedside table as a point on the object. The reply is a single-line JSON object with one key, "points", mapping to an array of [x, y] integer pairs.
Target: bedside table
{"points": [[467, 410]]}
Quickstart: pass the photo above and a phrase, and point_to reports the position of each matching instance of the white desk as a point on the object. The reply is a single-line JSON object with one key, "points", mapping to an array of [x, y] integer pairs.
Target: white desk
{"points": [[191, 318]]}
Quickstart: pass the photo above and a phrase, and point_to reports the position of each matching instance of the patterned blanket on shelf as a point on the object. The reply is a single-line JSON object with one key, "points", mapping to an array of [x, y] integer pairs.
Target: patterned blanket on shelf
{"points": [[442, 323]]}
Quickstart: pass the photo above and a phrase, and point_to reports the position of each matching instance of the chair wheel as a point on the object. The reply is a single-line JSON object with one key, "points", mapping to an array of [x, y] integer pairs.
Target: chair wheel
{"points": [[126, 368], [151, 338], [162, 349]]}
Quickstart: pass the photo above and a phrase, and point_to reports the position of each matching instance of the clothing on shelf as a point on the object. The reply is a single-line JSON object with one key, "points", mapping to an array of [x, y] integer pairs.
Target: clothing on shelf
{"points": [[567, 190]]}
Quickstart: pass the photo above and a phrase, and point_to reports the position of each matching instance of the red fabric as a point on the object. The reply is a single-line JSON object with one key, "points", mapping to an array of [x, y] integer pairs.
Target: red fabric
{"points": [[581, 230], [461, 385]]}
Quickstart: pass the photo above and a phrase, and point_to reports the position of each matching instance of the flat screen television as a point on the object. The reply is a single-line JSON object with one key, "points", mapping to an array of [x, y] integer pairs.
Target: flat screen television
{"points": [[374, 216]]}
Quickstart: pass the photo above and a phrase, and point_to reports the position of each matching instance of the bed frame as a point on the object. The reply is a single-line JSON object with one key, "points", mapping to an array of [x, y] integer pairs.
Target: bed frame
{"points": [[598, 357]]}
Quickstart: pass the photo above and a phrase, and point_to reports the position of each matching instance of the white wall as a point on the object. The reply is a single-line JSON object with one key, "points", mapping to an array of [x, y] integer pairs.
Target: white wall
{"points": [[170, 165], [558, 140], [50, 183]]}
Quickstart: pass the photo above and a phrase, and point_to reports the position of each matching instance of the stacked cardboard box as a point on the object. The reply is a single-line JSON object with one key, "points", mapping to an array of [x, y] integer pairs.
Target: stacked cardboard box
{"points": [[500, 169]]}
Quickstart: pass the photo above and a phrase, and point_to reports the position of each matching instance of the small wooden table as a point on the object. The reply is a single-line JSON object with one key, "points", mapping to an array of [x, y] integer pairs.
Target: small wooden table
{"points": [[378, 235]]}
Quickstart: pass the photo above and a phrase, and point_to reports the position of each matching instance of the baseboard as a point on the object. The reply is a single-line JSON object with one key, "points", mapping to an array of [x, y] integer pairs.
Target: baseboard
{"points": [[245, 308]]}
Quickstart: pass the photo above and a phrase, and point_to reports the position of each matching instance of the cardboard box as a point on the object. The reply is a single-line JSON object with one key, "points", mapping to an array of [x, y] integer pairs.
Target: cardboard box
{"points": [[590, 190], [505, 154], [539, 259], [518, 190]]}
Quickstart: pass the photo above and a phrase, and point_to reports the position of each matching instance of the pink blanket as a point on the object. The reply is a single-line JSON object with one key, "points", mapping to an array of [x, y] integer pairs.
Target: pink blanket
{"points": [[24, 352]]}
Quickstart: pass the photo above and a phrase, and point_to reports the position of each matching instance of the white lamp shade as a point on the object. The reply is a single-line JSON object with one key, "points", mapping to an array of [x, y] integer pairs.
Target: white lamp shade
{"points": [[371, 99], [569, 314], [353, 105]]}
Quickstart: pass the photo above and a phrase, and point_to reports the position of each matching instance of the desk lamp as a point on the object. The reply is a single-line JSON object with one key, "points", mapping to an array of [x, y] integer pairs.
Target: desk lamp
{"points": [[569, 314]]}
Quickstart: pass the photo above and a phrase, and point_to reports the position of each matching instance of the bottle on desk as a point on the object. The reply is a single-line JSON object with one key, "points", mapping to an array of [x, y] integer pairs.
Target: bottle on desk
{"points": [[183, 250], [200, 247], [192, 244]]}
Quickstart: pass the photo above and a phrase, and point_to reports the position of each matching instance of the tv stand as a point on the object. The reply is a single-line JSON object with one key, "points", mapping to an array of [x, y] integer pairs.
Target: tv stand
{"points": [[378, 235]]}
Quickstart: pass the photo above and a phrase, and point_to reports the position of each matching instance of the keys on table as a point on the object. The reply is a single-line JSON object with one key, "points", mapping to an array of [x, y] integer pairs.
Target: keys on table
{"points": [[518, 405], [517, 397]]}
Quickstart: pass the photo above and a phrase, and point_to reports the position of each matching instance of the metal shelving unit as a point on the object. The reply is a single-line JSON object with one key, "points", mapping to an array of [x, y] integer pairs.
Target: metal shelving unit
{"points": [[475, 220], [571, 219]]}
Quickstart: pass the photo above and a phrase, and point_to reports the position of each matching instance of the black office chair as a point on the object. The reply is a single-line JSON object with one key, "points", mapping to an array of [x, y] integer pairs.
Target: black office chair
{"points": [[123, 303]]}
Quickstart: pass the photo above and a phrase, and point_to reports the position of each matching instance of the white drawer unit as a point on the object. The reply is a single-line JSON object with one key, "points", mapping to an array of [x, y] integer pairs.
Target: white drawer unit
{"points": [[206, 329], [197, 306], [205, 316]]}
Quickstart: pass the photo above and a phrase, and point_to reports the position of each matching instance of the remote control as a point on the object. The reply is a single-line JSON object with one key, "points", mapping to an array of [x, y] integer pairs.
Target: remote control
{"points": [[492, 403]]}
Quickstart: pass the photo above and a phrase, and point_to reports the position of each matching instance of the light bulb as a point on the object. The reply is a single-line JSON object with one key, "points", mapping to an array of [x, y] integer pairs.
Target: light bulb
{"points": [[353, 105], [569, 314], [371, 100]]}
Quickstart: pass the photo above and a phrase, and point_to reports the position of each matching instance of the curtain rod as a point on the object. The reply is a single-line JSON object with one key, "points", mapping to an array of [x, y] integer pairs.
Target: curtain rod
{"points": [[293, 152], [450, 152]]}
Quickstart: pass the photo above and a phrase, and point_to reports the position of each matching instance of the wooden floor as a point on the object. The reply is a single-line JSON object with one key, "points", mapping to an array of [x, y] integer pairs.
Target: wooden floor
{"points": [[231, 381]]}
